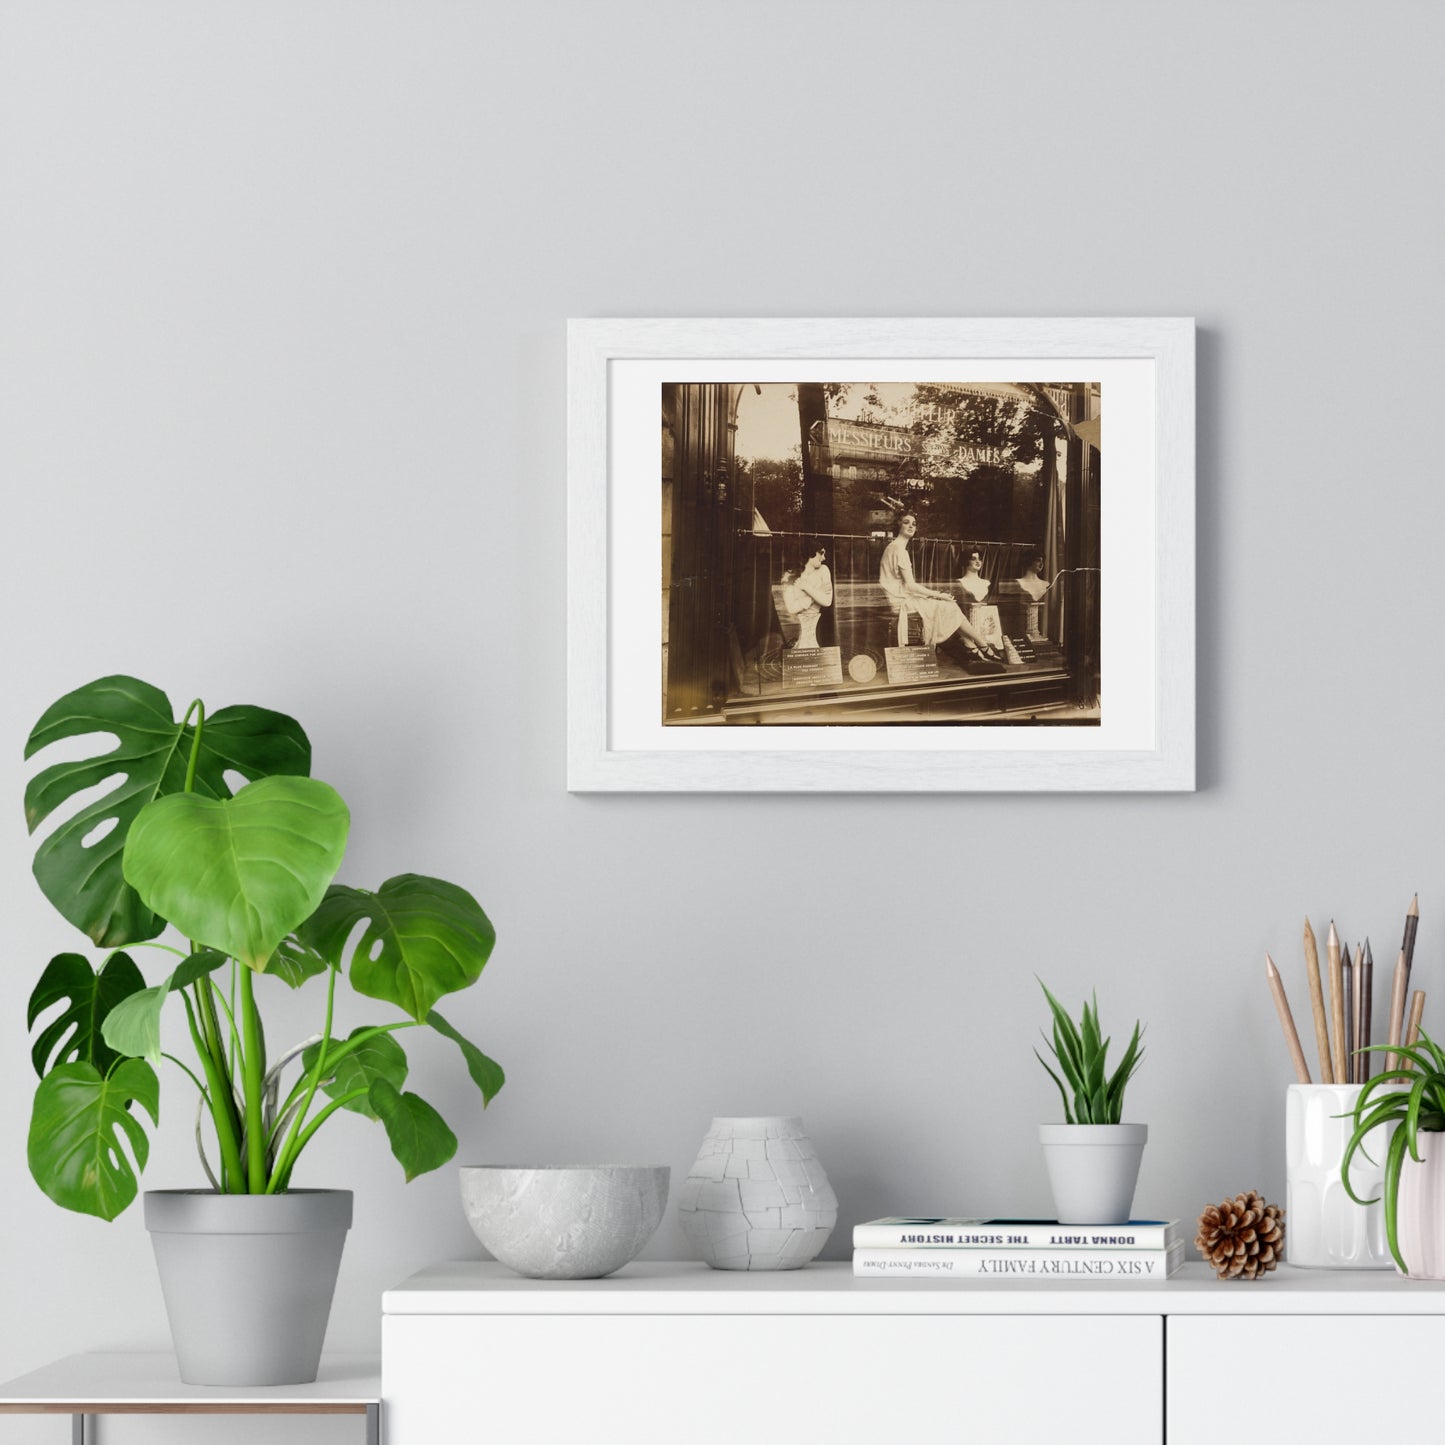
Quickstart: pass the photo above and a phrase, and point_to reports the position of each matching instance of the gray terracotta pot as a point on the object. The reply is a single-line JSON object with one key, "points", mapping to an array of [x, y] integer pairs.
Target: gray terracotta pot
{"points": [[1093, 1169], [248, 1280]]}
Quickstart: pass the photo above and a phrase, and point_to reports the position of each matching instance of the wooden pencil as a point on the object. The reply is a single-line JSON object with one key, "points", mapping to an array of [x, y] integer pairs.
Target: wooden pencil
{"points": [[1347, 993], [1337, 1004], [1367, 1008], [1417, 1014], [1357, 1012], [1286, 1021], [1407, 946], [1412, 1029], [1317, 1002], [1397, 1011]]}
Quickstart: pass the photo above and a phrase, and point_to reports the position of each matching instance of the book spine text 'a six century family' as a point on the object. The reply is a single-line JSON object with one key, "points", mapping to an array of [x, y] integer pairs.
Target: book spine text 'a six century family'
{"points": [[994, 1263]]}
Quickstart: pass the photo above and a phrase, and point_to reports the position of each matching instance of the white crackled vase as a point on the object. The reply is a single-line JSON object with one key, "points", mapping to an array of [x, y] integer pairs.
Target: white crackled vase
{"points": [[757, 1197]]}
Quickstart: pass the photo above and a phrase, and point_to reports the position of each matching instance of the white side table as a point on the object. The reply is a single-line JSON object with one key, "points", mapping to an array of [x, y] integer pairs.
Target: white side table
{"points": [[133, 1384]]}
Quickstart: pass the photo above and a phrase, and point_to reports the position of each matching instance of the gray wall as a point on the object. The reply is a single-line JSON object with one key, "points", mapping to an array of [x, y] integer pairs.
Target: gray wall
{"points": [[281, 420]]}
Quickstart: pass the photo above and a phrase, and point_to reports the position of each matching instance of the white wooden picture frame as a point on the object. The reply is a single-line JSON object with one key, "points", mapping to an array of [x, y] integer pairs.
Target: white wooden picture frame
{"points": [[1142, 738]]}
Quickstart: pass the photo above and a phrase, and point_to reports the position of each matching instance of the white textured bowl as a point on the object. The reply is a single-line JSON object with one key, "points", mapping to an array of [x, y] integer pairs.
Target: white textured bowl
{"points": [[561, 1221]]}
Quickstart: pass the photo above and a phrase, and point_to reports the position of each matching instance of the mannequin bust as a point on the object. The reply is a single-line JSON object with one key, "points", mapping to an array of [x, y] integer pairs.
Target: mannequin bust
{"points": [[806, 591], [975, 587], [1031, 582]]}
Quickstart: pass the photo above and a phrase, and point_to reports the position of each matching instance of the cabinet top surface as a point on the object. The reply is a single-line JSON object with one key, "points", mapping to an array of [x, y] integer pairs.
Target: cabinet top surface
{"points": [[474, 1287]]}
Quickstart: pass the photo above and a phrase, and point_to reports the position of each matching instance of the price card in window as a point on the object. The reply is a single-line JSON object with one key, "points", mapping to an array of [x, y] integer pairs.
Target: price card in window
{"points": [[812, 666], [910, 664]]}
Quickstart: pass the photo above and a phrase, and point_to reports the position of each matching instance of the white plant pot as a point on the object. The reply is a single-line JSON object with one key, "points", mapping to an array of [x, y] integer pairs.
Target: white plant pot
{"points": [[1093, 1169], [1324, 1227], [1420, 1224]]}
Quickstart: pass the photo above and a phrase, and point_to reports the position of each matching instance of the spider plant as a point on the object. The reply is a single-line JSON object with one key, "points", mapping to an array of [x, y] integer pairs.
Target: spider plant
{"points": [[1081, 1052], [1410, 1096]]}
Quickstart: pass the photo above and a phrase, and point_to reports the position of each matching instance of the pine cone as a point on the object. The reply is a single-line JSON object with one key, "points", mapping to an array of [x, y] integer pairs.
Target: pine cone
{"points": [[1242, 1237]]}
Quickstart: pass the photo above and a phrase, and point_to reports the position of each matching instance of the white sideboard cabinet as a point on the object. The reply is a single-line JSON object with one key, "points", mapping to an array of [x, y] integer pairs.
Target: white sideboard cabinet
{"points": [[667, 1353]]}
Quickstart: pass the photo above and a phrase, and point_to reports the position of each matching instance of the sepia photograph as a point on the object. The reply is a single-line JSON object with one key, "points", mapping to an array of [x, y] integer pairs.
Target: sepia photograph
{"points": [[879, 553]]}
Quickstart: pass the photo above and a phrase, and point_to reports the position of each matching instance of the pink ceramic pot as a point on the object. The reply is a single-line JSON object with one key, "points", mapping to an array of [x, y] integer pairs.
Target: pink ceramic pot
{"points": [[1421, 1220]]}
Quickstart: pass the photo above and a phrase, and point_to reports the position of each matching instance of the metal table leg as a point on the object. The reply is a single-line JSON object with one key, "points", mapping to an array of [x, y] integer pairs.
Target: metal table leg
{"points": [[82, 1434]]}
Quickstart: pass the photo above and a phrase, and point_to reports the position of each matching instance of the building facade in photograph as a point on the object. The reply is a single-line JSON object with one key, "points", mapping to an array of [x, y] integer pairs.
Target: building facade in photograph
{"points": [[844, 553]]}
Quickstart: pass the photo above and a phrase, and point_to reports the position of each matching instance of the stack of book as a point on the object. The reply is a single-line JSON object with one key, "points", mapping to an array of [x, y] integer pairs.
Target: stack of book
{"points": [[905, 1248]]}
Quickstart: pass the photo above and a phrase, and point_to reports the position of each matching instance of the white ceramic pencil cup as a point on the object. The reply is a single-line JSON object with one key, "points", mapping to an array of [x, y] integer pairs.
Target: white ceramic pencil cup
{"points": [[1324, 1227]]}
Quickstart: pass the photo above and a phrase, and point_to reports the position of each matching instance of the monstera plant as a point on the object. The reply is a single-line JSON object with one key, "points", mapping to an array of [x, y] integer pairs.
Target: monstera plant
{"points": [[246, 878]]}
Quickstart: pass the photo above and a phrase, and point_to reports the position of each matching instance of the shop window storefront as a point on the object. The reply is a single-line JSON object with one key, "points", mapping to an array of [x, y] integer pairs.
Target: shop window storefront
{"points": [[866, 554]]}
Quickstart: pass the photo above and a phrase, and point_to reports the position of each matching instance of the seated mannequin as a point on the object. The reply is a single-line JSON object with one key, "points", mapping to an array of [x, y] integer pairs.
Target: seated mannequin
{"points": [[942, 622]]}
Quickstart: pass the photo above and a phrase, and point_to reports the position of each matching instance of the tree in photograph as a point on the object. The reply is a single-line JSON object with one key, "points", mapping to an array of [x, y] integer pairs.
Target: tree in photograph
{"points": [[773, 488], [991, 460], [817, 475]]}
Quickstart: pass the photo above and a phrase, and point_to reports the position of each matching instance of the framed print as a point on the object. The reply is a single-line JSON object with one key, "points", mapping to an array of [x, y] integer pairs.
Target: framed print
{"points": [[880, 555]]}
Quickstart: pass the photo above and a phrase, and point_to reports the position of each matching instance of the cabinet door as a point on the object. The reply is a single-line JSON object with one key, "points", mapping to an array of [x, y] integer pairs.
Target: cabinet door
{"points": [[773, 1380], [1312, 1378]]}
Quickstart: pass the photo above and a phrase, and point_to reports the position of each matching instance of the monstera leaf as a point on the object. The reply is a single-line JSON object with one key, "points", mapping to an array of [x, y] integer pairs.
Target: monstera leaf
{"points": [[239, 874], [423, 938], [85, 883], [78, 1127], [133, 1027], [75, 1036], [294, 962], [379, 1057], [418, 1135], [486, 1073], [202, 962]]}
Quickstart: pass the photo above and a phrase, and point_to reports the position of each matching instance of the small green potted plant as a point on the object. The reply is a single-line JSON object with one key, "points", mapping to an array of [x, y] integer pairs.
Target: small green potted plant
{"points": [[248, 1265], [1408, 1102], [1093, 1157]]}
